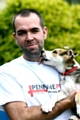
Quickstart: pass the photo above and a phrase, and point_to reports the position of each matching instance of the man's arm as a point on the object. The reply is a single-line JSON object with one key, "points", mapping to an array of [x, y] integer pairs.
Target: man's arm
{"points": [[20, 111]]}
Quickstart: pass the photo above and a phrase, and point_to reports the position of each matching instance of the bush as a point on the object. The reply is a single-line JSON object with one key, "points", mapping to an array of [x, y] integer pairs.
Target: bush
{"points": [[62, 20]]}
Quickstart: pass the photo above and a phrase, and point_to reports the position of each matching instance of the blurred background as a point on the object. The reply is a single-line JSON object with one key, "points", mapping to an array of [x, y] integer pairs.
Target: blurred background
{"points": [[62, 17]]}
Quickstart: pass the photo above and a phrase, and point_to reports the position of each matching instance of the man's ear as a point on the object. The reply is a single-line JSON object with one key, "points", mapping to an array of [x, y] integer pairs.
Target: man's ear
{"points": [[14, 35], [45, 31]]}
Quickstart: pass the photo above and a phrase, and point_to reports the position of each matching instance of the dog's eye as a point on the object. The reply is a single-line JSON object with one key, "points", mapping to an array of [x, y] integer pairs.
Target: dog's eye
{"points": [[63, 53], [54, 51]]}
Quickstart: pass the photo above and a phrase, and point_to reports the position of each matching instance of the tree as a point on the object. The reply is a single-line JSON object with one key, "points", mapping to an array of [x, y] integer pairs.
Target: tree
{"points": [[73, 1], [62, 20]]}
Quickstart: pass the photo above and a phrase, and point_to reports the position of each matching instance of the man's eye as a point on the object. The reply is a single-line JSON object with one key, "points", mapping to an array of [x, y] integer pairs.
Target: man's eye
{"points": [[35, 30], [21, 32]]}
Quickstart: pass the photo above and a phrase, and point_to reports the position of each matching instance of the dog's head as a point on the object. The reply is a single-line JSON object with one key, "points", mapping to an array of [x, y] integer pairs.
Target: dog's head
{"points": [[61, 59]]}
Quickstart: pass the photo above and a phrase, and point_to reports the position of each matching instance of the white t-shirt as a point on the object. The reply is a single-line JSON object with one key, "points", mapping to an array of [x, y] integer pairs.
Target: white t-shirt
{"points": [[26, 81]]}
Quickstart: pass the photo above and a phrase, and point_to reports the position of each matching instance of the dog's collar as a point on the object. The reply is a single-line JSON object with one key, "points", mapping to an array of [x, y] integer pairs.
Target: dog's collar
{"points": [[69, 71]]}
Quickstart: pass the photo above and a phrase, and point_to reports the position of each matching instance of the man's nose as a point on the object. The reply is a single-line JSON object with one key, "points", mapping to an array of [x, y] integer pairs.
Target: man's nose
{"points": [[29, 36]]}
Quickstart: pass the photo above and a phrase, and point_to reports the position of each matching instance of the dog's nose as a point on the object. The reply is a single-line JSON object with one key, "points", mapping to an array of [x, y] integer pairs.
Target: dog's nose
{"points": [[44, 55]]}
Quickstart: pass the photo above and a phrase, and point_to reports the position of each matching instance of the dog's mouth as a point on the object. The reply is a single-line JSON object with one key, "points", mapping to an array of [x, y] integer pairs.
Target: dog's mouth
{"points": [[42, 59], [45, 59]]}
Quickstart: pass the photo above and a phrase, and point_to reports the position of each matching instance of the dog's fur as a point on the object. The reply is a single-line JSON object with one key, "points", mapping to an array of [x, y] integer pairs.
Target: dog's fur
{"points": [[69, 69]]}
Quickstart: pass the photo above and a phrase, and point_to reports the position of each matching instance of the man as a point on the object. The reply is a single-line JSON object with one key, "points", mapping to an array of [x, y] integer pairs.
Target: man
{"points": [[24, 84]]}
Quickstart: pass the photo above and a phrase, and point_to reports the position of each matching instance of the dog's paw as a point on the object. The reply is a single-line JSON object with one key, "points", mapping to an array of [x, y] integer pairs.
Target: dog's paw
{"points": [[47, 107], [73, 117]]}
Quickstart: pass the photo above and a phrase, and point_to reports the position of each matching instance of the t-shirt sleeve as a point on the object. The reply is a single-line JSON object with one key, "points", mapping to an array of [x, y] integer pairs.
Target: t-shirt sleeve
{"points": [[10, 89]]}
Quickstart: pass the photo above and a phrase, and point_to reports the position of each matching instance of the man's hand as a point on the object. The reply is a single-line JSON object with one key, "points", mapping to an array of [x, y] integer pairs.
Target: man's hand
{"points": [[71, 99]]}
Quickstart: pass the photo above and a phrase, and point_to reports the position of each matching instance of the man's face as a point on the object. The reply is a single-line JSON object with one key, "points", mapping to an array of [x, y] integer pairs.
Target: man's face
{"points": [[30, 36]]}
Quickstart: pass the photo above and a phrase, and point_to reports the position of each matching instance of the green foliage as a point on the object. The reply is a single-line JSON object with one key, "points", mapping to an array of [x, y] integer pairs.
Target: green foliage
{"points": [[62, 20]]}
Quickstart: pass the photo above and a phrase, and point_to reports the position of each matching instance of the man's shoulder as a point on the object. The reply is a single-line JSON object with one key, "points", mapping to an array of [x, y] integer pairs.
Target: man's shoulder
{"points": [[10, 64]]}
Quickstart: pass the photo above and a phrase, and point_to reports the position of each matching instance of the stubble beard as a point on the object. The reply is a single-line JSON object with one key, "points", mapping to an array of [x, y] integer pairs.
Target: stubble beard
{"points": [[33, 54]]}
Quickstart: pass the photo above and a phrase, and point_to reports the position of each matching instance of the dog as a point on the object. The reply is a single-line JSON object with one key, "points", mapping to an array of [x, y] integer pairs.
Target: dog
{"points": [[63, 60]]}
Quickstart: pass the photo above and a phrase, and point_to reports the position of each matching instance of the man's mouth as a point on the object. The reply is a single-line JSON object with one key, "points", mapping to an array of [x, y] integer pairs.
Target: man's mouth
{"points": [[31, 43]]}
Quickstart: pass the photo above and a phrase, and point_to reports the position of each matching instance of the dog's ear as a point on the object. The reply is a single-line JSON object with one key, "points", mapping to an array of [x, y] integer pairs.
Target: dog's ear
{"points": [[72, 53]]}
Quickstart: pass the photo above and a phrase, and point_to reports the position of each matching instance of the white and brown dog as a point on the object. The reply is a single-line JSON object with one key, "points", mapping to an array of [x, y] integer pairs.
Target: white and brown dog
{"points": [[69, 69]]}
